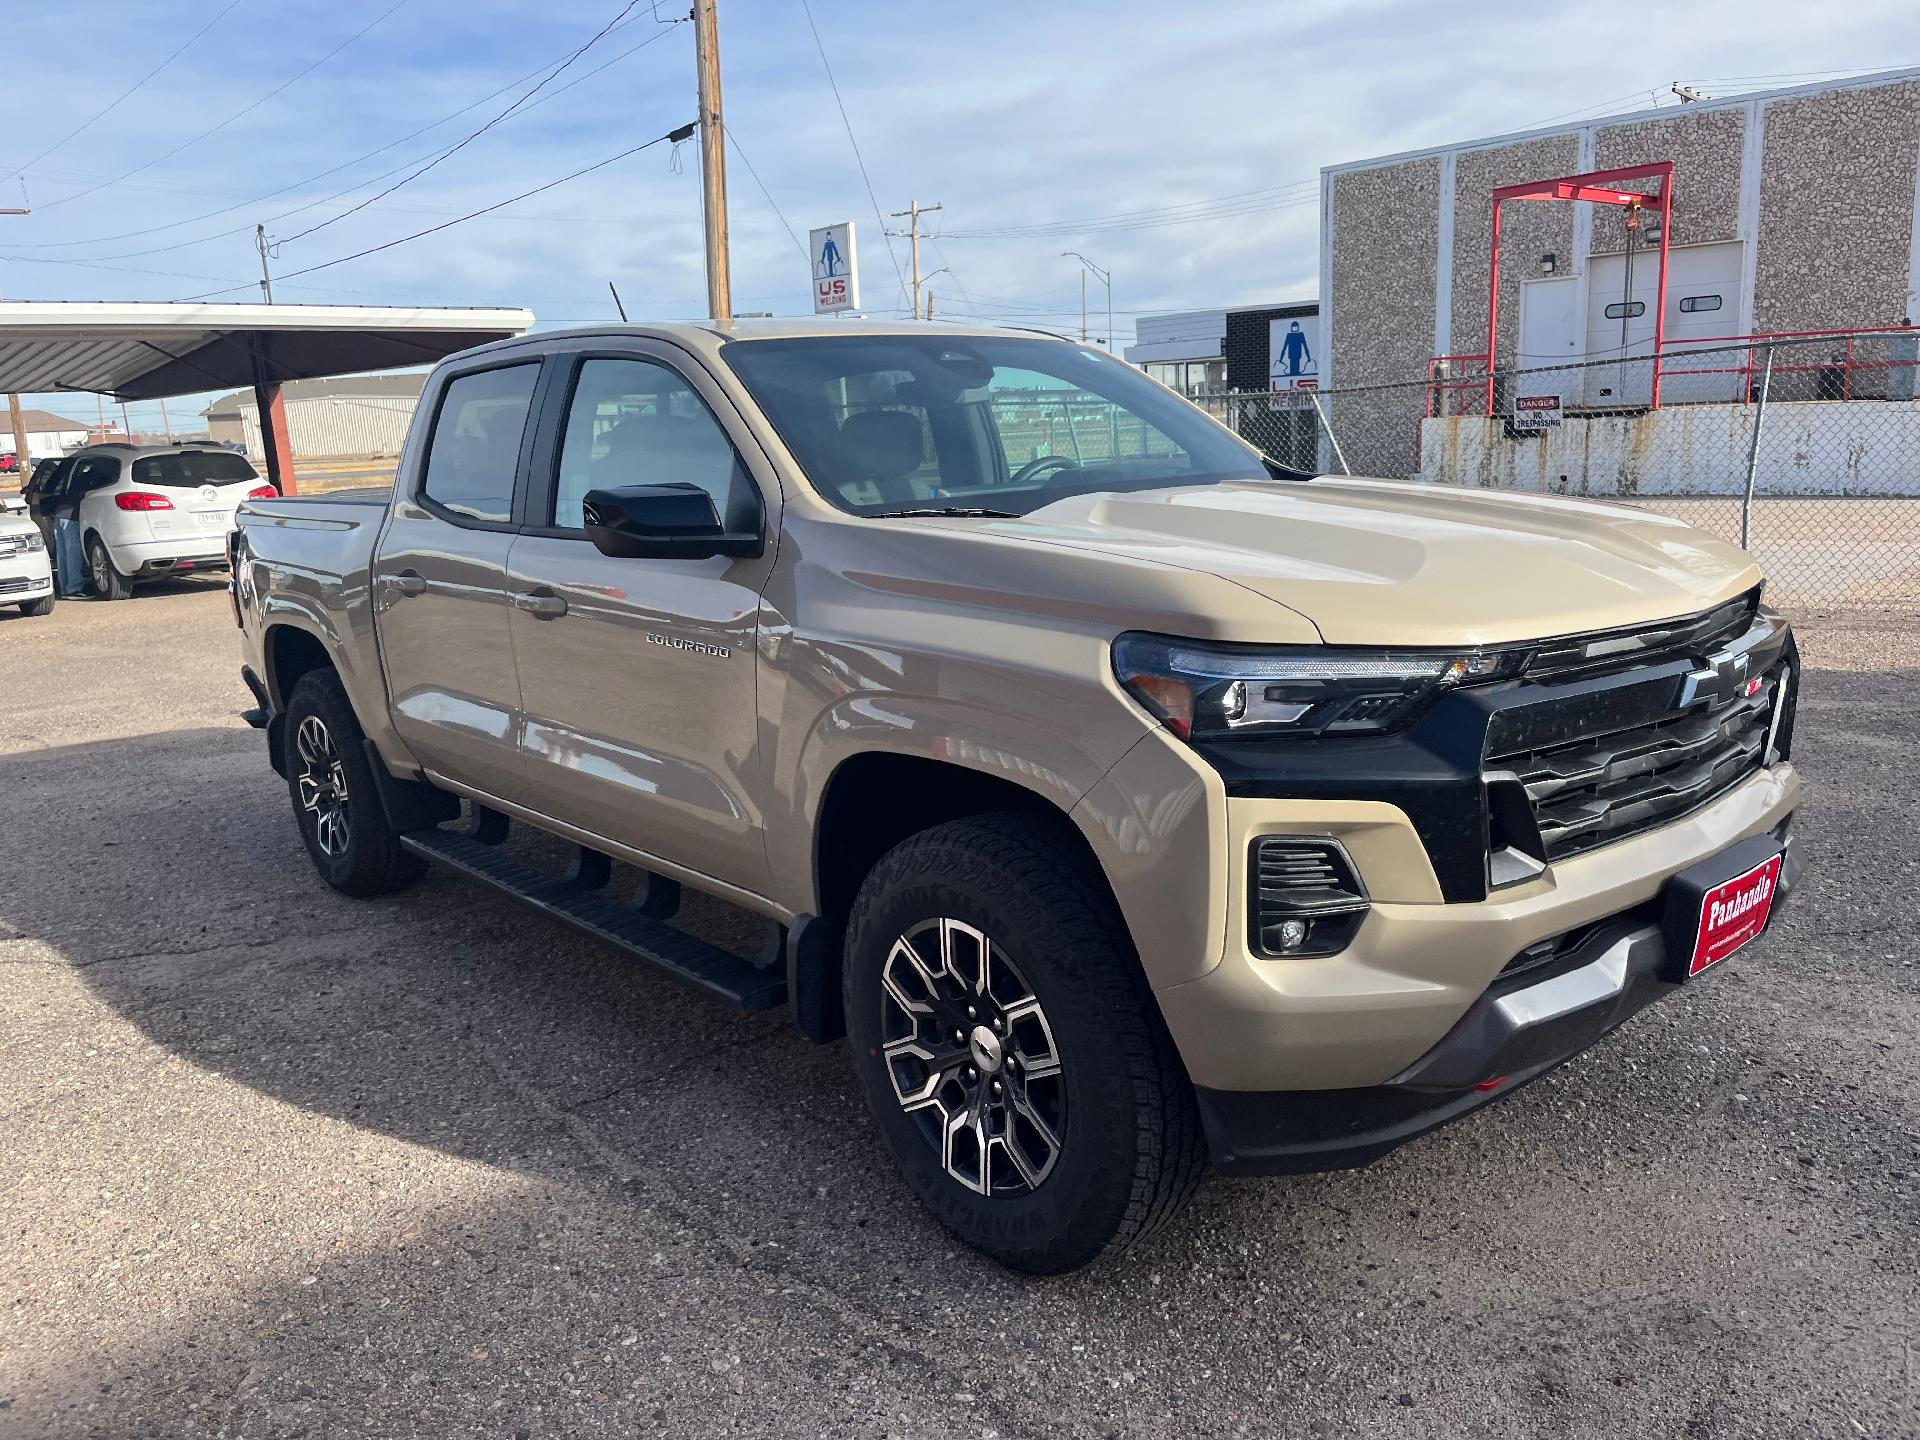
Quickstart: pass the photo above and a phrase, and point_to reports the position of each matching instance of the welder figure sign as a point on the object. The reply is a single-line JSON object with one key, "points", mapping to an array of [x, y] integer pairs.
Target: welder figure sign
{"points": [[1295, 358]]}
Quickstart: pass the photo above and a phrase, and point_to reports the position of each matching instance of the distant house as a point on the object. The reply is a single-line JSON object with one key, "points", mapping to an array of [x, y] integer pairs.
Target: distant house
{"points": [[47, 434], [352, 415]]}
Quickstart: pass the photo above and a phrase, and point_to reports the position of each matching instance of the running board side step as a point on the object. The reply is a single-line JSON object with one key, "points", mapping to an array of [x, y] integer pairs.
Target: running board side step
{"points": [[683, 957]]}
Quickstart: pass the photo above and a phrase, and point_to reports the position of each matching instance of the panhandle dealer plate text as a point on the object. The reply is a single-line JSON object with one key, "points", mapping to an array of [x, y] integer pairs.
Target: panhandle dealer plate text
{"points": [[1733, 913]]}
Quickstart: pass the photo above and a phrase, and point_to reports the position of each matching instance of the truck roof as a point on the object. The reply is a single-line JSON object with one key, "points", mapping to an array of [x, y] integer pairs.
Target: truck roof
{"points": [[706, 336]]}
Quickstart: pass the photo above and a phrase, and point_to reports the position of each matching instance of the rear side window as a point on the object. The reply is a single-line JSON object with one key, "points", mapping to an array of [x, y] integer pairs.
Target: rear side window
{"points": [[93, 472], [476, 442], [193, 469]]}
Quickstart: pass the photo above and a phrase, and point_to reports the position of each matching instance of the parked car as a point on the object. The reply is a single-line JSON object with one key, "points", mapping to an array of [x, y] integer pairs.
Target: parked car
{"points": [[26, 577], [9, 463], [148, 511], [1125, 798]]}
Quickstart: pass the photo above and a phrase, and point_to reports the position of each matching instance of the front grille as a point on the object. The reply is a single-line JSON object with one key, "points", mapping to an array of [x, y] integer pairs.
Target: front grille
{"points": [[1606, 650], [1591, 789]]}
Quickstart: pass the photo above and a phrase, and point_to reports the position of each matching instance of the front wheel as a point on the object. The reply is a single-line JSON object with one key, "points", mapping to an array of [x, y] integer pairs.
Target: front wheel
{"points": [[1011, 1052], [42, 606], [335, 803]]}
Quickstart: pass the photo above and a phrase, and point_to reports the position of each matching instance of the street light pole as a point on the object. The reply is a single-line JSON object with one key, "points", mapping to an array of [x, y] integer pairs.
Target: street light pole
{"points": [[1106, 279]]}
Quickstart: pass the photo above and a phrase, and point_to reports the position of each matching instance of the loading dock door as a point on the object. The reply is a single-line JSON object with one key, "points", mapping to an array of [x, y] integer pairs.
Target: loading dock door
{"points": [[1549, 335], [1703, 300]]}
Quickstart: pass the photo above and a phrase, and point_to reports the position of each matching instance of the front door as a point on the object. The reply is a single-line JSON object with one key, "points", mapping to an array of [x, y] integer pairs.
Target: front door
{"points": [[439, 584], [637, 674]]}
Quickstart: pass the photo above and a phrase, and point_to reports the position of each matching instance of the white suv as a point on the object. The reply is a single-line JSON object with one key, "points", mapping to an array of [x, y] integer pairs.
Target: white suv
{"points": [[26, 577], [152, 510]]}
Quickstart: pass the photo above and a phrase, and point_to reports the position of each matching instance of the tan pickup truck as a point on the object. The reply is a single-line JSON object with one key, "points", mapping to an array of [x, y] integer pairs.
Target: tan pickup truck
{"points": [[1128, 801]]}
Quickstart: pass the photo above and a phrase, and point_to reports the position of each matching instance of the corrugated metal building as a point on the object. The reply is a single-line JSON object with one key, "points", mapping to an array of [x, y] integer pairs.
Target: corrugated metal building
{"points": [[1793, 210], [358, 415]]}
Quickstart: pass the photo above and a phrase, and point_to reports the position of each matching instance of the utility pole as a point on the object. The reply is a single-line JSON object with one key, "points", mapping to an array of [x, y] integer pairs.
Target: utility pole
{"points": [[266, 280], [1106, 279], [166, 423], [20, 461], [1688, 95], [713, 160], [912, 213]]}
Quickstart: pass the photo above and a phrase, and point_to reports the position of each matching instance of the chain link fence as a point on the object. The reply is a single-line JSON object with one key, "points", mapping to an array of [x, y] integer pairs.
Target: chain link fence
{"points": [[1806, 450]]}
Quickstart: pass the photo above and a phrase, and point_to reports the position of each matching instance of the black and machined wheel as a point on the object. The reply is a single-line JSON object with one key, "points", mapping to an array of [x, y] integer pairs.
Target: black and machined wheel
{"points": [[334, 799], [42, 606], [108, 582], [1012, 1055]]}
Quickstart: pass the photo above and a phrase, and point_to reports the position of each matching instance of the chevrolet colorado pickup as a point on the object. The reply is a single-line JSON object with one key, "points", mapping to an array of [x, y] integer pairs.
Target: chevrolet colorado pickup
{"points": [[1125, 799]]}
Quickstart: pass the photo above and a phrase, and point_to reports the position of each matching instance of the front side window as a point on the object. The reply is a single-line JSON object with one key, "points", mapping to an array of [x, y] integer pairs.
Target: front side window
{"points": [[475, 448], [632, 422], [882, 423]]}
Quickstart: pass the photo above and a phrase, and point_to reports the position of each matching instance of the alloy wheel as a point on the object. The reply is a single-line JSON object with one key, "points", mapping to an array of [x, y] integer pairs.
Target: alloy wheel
{"points": [[323, 785], [971, 1057]]}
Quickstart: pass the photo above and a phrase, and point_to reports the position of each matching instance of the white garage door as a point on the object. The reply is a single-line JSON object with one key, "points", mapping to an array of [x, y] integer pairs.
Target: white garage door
{"points": [[1703, 304]]}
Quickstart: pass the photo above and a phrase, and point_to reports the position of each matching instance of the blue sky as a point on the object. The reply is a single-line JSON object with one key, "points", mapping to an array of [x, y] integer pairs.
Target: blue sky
{"points": [[1011, 116]]}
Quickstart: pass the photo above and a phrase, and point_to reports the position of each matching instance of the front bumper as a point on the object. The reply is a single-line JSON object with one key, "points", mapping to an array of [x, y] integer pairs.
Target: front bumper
{"points": [[1512, 1034]]}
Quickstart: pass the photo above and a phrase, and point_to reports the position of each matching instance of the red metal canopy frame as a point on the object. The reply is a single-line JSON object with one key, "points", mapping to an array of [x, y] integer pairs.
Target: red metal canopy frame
{"points": [[1597, 187]]}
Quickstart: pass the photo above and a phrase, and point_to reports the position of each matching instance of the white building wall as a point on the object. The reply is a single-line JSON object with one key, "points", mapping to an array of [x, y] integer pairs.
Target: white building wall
{"points": [[330, 425], [1811, 447]]}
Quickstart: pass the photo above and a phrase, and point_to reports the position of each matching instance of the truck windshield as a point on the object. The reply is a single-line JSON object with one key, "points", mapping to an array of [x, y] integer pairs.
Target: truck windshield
{"points": [[971, 424], [193, 468]]}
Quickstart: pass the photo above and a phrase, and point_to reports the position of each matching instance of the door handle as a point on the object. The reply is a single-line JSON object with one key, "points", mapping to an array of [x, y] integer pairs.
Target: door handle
{"points": [[407, 582], [541, 604]]}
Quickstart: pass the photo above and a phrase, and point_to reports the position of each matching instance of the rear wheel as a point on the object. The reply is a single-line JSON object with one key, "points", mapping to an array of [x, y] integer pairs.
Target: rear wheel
{"points": [[335, 802], [42, 606], [108, 582], [1011, 1053]]}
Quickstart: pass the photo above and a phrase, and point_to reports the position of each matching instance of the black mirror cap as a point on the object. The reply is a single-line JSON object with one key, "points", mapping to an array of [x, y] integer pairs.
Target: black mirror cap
{"points": [[675, 521]]}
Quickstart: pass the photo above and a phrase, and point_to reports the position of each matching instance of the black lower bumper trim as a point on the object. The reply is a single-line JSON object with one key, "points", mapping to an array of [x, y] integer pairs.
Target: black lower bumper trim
{"points": [[1511, 1035]]}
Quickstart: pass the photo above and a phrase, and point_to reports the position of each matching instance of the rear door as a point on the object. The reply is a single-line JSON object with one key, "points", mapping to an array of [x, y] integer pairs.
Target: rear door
{"points": [[639, 675], [439, 576]]}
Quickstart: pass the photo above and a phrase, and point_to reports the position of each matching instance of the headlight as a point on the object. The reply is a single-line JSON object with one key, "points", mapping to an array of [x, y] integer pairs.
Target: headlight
{"points": [[35, 541], [1209, 691]]}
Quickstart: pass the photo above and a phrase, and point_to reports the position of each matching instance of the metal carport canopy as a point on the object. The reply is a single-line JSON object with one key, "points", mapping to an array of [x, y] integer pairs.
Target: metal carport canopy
{"points": [[150, 350]]}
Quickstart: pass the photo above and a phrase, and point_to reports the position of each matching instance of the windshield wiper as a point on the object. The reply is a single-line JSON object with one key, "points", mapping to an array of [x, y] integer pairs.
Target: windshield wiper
{"points": [[966, 511]]}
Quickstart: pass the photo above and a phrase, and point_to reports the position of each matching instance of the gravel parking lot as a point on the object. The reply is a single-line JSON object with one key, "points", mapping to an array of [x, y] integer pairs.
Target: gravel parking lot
{"points": [[278, 1163]]}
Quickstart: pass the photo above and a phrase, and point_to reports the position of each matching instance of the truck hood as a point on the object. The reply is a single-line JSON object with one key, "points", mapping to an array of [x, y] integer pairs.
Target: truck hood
{"points": [[1382, 562]]}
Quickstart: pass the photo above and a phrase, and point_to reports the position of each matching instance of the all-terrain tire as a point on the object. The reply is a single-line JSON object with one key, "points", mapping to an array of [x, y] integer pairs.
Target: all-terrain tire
{"points": [[350, 842], [1130, 1149]]}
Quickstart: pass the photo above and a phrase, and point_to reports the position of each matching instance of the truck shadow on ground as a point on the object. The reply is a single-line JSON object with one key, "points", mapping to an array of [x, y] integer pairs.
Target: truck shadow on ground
{"points": [[636, 1117]]}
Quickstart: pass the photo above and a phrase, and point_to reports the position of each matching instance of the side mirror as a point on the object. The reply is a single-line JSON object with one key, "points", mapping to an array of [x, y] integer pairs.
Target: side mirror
{"points": [[676, 521]]}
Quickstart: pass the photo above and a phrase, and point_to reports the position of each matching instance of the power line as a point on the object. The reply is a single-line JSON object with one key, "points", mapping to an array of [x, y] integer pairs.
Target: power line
{"points": [[348, 164], [333, 170], [457, 147], [768, 194], [113, 104], [244, 110], [880, 219], [681, 133]]}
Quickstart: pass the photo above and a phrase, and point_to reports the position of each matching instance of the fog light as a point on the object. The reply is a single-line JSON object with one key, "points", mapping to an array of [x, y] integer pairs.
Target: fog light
{"points": [[1307, 898]]}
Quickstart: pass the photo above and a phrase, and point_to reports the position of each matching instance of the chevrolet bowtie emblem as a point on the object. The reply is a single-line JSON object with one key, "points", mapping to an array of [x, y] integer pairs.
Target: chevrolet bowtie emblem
{"points": [[1724, 677]]}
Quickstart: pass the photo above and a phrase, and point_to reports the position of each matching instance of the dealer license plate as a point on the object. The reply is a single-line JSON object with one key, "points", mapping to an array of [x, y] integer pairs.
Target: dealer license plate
{"points": [[1732, 913]]}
